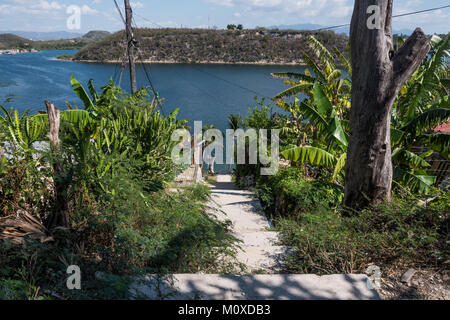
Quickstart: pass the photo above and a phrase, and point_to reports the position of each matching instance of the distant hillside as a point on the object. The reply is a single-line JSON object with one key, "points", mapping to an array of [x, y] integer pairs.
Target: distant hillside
{"points": [[11, 41], [304, 26], [211, 46], [345, 30], [96, 35], [44, 36]]}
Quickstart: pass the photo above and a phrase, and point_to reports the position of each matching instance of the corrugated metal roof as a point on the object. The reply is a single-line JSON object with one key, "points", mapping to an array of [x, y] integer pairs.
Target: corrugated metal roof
{"points": [[443, 128]]}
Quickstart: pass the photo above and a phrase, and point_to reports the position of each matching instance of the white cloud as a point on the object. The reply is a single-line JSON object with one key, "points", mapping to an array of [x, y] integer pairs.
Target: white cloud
{"points": [[45, 5], [85, 9], [137, 4], [298, 8]]}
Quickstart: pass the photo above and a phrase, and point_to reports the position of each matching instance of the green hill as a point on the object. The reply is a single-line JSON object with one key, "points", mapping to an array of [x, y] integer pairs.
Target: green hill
{"points": [[211, 46], [96, 35], [11, 41]]}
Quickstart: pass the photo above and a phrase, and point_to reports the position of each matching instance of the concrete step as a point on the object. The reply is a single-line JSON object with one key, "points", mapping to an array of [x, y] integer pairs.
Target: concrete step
{"points": [[253, 287], [246, 223], [267, 259], [224, 178], [257, 239]]}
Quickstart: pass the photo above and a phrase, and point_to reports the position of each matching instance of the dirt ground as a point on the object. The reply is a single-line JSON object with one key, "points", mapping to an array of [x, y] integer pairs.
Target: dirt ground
{"points": [[424, 285]]}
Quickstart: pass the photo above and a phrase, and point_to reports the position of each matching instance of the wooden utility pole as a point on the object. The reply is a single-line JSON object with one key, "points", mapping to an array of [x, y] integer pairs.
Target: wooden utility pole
{"points": [[378, 75], [131, 45]]}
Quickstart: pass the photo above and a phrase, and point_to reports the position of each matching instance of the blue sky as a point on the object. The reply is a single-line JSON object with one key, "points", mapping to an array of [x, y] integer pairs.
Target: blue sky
{"points": [[51, 15]]}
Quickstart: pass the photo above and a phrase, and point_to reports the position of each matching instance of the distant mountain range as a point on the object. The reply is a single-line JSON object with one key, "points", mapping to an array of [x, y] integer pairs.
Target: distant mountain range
{"points": [[305, 26], [346, 30], [44, 36], [13, 41]]}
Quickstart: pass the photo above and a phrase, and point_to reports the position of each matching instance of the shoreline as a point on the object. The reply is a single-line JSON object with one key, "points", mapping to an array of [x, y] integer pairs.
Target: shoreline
{"points": [[260, 63]]}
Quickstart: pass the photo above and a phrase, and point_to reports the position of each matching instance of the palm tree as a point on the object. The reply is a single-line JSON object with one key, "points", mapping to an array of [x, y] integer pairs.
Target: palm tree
{"points": [[235, 121]]}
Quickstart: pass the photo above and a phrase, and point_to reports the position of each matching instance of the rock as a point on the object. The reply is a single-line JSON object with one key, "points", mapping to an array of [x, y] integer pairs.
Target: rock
{"points": [[407, 276]]}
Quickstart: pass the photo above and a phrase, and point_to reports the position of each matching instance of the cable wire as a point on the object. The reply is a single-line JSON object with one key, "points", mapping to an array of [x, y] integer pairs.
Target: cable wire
{"points": [[395, 16], [232, 83]]}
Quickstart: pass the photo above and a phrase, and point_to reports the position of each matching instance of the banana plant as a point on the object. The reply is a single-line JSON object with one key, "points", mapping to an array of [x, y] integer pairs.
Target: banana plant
{"points": [[422, 105], [321, 69], [22, 130], [328, 151]]}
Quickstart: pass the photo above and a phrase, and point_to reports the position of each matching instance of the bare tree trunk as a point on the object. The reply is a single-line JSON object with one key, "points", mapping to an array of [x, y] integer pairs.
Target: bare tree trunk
{"points": [[378, 75], [60, 216]]}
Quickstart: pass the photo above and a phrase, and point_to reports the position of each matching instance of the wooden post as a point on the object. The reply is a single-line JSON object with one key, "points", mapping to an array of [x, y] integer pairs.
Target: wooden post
{"points": [[197, 160], [378, 75], [60, 216], [131, 43], [54, 121]]}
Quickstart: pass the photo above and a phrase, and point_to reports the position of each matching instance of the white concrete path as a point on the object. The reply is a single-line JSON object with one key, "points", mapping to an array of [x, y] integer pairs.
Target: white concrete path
{"points": [[254, 287], [261, 253]]}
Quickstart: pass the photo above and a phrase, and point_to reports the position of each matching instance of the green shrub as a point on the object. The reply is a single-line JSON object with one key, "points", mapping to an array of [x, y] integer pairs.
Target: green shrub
{"points": [[400, 234], [290, 193], [112, 167]]}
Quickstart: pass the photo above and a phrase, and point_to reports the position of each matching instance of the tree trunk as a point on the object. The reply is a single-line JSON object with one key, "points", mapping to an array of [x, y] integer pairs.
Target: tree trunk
{"points": [[378, 75], [60, 216]]}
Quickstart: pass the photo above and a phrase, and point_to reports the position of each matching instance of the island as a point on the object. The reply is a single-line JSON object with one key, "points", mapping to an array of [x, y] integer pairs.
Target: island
{"points": [[255, 46]]}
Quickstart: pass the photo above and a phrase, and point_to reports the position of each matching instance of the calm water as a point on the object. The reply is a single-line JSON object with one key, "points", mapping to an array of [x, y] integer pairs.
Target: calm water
{"points": [[197, 90]]}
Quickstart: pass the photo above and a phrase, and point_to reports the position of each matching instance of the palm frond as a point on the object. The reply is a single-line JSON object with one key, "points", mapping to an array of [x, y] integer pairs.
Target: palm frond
{"points": [[314, 68], [439, 142], [420, 183], [292, 75], [427, 121], [301, 88], [340, 165], [325, 56], [312, 155], [409, 159], [309, 113], [81, 93], [344, 61]]}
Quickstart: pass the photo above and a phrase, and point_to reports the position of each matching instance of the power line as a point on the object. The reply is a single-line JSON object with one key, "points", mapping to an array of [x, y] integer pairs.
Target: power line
{"points": [[155, 93], [225, 105], [232, 83], [158, 25], [395, 16], [251, 90], [147, 75]]}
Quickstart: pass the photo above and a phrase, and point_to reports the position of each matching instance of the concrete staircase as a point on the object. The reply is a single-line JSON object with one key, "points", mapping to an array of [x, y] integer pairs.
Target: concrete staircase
{"points": [[259, 251], [263, 257]]}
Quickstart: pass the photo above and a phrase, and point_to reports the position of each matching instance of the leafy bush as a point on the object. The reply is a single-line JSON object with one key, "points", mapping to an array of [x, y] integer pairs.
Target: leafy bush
{"points": [[110, 169], [260, 117], [290, 193], [120, 235], [405, 233], [402, 234]]}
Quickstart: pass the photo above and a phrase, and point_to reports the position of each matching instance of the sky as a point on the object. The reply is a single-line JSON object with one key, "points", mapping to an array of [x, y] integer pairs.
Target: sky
{"points": [[52, 15]]}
